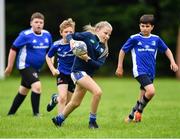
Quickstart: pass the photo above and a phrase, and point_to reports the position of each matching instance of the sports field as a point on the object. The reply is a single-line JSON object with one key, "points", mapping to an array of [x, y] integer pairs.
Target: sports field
{"points": [[161, 118]]}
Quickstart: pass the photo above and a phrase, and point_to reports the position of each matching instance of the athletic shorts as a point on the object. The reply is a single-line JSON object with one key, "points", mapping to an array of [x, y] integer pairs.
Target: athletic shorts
{"points": [[75, 76], [66, 79], [29, 76], [144, 80]]}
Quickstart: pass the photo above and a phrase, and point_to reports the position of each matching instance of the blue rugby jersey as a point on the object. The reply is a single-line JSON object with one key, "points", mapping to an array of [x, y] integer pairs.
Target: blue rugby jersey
{"points": [[32, 48], [143, 52], [94, 47], [65, 57]]}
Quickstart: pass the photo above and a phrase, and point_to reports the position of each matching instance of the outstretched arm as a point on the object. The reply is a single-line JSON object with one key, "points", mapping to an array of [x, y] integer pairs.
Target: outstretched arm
{"points": [[173, 64], [11, 59], [119, 70]]}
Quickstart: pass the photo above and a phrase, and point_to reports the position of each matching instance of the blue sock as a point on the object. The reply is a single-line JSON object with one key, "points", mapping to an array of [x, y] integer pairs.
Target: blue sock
{"points": [[60, 118], [92, 118]]}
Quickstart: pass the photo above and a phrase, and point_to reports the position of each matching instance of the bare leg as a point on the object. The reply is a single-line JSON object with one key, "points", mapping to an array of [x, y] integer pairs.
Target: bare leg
{"points": [[62, 99]]}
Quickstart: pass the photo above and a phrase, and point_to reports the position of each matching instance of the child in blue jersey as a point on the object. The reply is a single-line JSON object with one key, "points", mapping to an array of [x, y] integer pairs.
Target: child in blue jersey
{"points": [[144, 47], [83, 68], [65, 59], [29, 49]]}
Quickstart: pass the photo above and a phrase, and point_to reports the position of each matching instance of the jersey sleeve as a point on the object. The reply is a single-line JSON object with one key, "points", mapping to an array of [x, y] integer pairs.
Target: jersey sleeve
{"points": [[20, 41], [52, 51], [162, 47], [50, 42], [97, 63], [77, 36], [128, 45]]}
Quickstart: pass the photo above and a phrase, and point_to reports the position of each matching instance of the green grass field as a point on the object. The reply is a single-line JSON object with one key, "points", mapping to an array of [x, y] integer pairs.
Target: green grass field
{"points": [[161, 117]]}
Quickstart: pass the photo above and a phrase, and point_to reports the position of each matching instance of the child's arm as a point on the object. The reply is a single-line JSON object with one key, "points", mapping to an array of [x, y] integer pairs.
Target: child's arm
{"points": [[173, 64], [11, 59], [119, 70], [52, 60], [50, 64]]}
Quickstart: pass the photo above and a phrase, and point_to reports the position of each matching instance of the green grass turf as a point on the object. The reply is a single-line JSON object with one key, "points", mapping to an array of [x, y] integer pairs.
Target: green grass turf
{"points": [[161, 118]]}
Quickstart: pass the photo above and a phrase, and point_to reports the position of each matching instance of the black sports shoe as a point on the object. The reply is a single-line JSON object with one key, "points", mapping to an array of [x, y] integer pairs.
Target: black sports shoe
{"points": [[93, 125], [52, 103]]}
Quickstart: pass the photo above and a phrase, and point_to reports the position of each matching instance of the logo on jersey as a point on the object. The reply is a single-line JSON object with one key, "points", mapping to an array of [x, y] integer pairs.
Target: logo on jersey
{"points": [[92, 41], [40, 47], [147, 46], [153, 43], [139, 43], [41, 44], [101, 50], [34, 41], [59, 49], [35, 75], [46, 40]]}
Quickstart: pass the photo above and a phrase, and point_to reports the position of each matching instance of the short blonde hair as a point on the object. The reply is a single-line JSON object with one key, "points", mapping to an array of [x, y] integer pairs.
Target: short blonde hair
{"points": [[67, 23]]}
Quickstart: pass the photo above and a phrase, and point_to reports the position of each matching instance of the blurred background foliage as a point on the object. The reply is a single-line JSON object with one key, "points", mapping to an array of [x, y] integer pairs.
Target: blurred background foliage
{"points": [[122, 14]]}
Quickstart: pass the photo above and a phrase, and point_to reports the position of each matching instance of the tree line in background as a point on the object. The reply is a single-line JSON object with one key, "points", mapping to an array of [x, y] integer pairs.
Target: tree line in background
{"points": [[122, 14]]}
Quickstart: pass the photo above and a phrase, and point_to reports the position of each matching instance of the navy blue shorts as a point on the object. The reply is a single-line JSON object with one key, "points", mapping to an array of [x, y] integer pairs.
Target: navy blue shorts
{"points": [[144, 80], [29, 76], [66, 79]]}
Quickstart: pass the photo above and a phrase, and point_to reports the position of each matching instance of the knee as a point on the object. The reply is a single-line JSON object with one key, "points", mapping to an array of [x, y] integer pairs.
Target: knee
{"points": [[23, 90], [98, 93], [62, 99], [36, 87], [151, 91]]}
